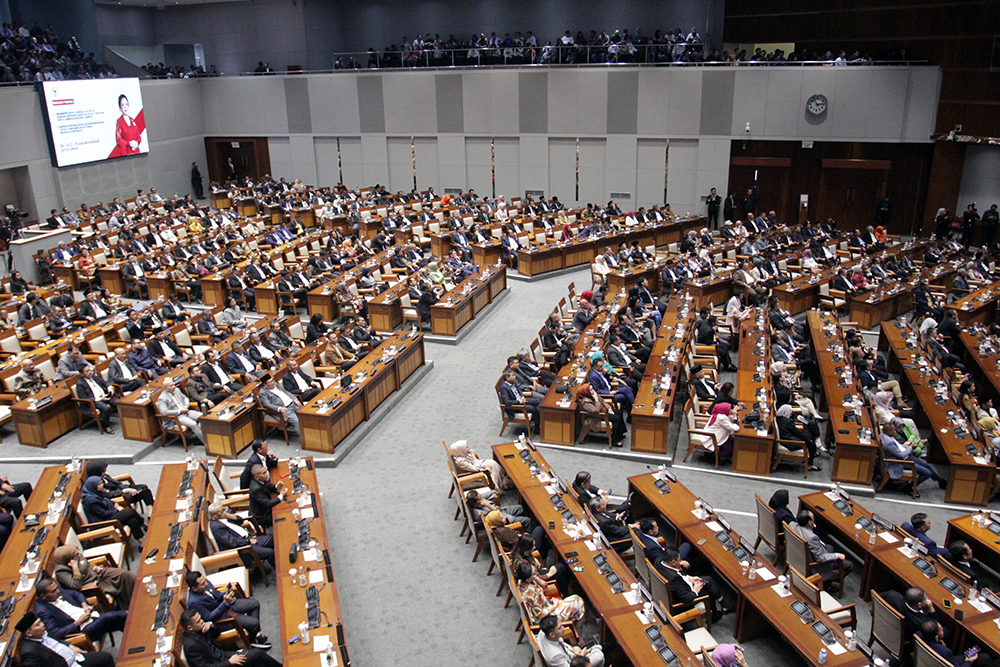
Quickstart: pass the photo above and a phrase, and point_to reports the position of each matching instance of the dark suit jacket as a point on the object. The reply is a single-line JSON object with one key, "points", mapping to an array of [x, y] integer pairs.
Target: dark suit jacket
{"points": [[87, 309], [155, 347], [913, 619], [33, 654], [261, 501], [290, 385], [57, 622], [680, 592], [255, 459], [200, 649], [226, 538], [134, 330], [654, 552], [172, 312], [83, 390]]}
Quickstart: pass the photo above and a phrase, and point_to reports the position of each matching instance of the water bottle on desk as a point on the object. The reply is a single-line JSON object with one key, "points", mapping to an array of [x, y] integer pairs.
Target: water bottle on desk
{"points": [[822, 655]]}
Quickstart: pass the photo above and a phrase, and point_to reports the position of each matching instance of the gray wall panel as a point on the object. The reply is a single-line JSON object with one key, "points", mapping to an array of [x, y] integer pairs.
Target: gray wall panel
{"points": [[450, 106], [717, 101], [370, 104], [297, 105], [623, 102], [533, 101]]}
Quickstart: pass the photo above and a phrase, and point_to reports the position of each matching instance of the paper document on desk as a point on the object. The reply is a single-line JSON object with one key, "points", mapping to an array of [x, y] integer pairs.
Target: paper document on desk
{"points": [[307, 513], [836, 648], [632, 597], [52, 518], [658, 411], [765, 574], [520, 447], [779, 588], [888, 537], [714, 526], [320, 643], [24, 588], [981, 460], [174, 581], [832, 496], [309, 555], [176, 565], [645, 620], [981, 605], [552, 489], [544, 478], [590, 545], [316, 576]]}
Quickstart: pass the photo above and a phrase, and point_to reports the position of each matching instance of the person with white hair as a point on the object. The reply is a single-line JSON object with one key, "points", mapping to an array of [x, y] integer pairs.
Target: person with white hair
{"points": [[467, 461], [232, 532]]}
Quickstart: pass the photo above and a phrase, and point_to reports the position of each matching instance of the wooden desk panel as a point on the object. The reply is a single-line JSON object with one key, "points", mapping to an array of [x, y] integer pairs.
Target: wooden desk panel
{"points": [[40, 426]]}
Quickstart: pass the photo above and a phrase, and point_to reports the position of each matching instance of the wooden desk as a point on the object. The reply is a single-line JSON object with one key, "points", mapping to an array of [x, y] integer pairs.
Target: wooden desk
{"points": [[535, 260], [841, 526], [111, 277], [854, 461], [484, 254], [969, 482], [38, 427], [985, 367], [323, 428], [214, 289], [880, 304], [65, 273], [160, 285], [753, 449], [293, 598], [138, 632], [630, 632], [982, 540], [508, 456], [459, 305], [978, 306], [715, 290], [266, 297]]}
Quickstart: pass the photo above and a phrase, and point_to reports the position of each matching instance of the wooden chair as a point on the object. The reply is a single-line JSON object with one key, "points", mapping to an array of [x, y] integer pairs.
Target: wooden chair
{"points": [[87, 407], [473, 527], [954, 572], [410, 313], [512, 415], [699, 609], [223, 568], [798, 557], [812, 588], [699, 440], [769, 529], [605, 427], [101, 532], [273, 419], [888, 628], [784, 452], [245, 557], [925, 656], [110, 553], [909, 471], [831, 299], [699, 639], [171, 425]]}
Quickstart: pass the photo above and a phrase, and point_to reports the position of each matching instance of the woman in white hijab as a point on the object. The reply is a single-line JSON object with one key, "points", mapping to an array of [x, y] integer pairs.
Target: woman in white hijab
{"points": [[601, 268], [467, 461], [502, 215]]}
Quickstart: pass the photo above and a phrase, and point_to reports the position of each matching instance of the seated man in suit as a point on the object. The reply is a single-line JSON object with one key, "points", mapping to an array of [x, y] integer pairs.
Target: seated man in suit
{"points": [[174, 311], [612, 524], [201, 650], [261, 455], [933, 633], [238, 361], [213, 604], [512, 396], [172, 402], [200, 390], [123, 373], [141, 359], [704, 388], [648, 531], [915, 607], [586, 490], [261, 491], [918, 528], [93, 309], [557, 653], [71, 363], [684, 589], [208, 327], [961, 558], [260, 350], [230, 532], [164, 349], [38, 649], [281, 341], [217, 375], [821, 554], [278, 400], [66, 612], [91, 386], [302, 386]]}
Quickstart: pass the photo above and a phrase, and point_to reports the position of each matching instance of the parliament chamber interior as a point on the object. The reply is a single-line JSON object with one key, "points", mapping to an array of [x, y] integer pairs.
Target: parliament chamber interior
{"points": [[544, 276]]}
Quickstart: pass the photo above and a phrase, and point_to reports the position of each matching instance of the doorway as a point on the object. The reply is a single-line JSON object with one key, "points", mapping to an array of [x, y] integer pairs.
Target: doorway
{"points": [[850, 190], [767, 177], [249, 154]]}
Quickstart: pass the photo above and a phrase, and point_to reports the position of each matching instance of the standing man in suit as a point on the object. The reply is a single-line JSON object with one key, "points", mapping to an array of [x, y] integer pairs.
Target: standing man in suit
{"points": [[828, 561], [729, 207], [38, 649], [749, 203], [196, 185], [230, 170], [713, 201], [278, 400], [91, 386], [261, 456], [261, 491]]}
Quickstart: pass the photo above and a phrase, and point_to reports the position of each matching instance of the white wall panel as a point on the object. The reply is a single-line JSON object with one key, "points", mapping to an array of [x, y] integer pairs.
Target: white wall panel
{"points": [[980, 179], [428, 175], [884, 119], [507, 158], [562, 169], [684, 114], [650, 163], [621, 174], [781, 99], [504, 101], [280, 149], [750, 100], [399, 151], [682, 176], [478, 169], [451, 162], [374, 150], [327, 161], [654, 103], [593, 168], [410, 102], [534, 153]]}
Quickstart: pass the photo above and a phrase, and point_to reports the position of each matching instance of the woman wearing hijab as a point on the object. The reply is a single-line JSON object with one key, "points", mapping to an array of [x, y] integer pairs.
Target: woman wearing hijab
{"points": [[729, 655], [885, 412], [232, 316], [598, 379], [467, 461], [113, 488], [434, 274], [779, 503], [808, 262], [74, 571], [789, 429], [99, 508], [593, 407], [567, 232], [991, 432], [723, 427], [601, 268], [345, 297]]}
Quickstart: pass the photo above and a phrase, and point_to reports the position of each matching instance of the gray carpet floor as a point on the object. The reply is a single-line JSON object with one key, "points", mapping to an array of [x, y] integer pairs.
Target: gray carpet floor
{"points": [[409, 591]]}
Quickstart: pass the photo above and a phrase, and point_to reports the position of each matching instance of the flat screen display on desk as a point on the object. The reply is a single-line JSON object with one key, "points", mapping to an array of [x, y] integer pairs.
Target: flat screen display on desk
{"points": [[95, 120]]}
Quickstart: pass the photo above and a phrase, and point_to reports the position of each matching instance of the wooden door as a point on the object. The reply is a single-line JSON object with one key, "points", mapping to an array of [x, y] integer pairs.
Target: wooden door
{"points": [[250, 156], [850, 189], [767, 177]]}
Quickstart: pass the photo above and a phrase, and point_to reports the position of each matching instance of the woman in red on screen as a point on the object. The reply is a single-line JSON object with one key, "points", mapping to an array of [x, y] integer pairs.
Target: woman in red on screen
{"points": [[127, 131]]}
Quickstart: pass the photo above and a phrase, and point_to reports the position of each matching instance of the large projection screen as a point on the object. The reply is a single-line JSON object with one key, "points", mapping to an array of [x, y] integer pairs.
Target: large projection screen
{"points": [[95, 120]]}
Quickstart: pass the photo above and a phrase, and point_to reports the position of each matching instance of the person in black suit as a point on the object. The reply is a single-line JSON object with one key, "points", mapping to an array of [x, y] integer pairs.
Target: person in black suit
{"points": [[300, 385], [512, 397], [200, 648], [230, 170], [749, 203], [961, 558], [93, 309], [729, 207], [173, 310], [713, 200], [611, 524], [134, 276], [208, 327], [684, 589], [237, 283], [261, 456], [915, 607], [230, 532], [933, 633], [38, 649], [261, 491], [91, 386], [163, 347], [196, 184]]}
